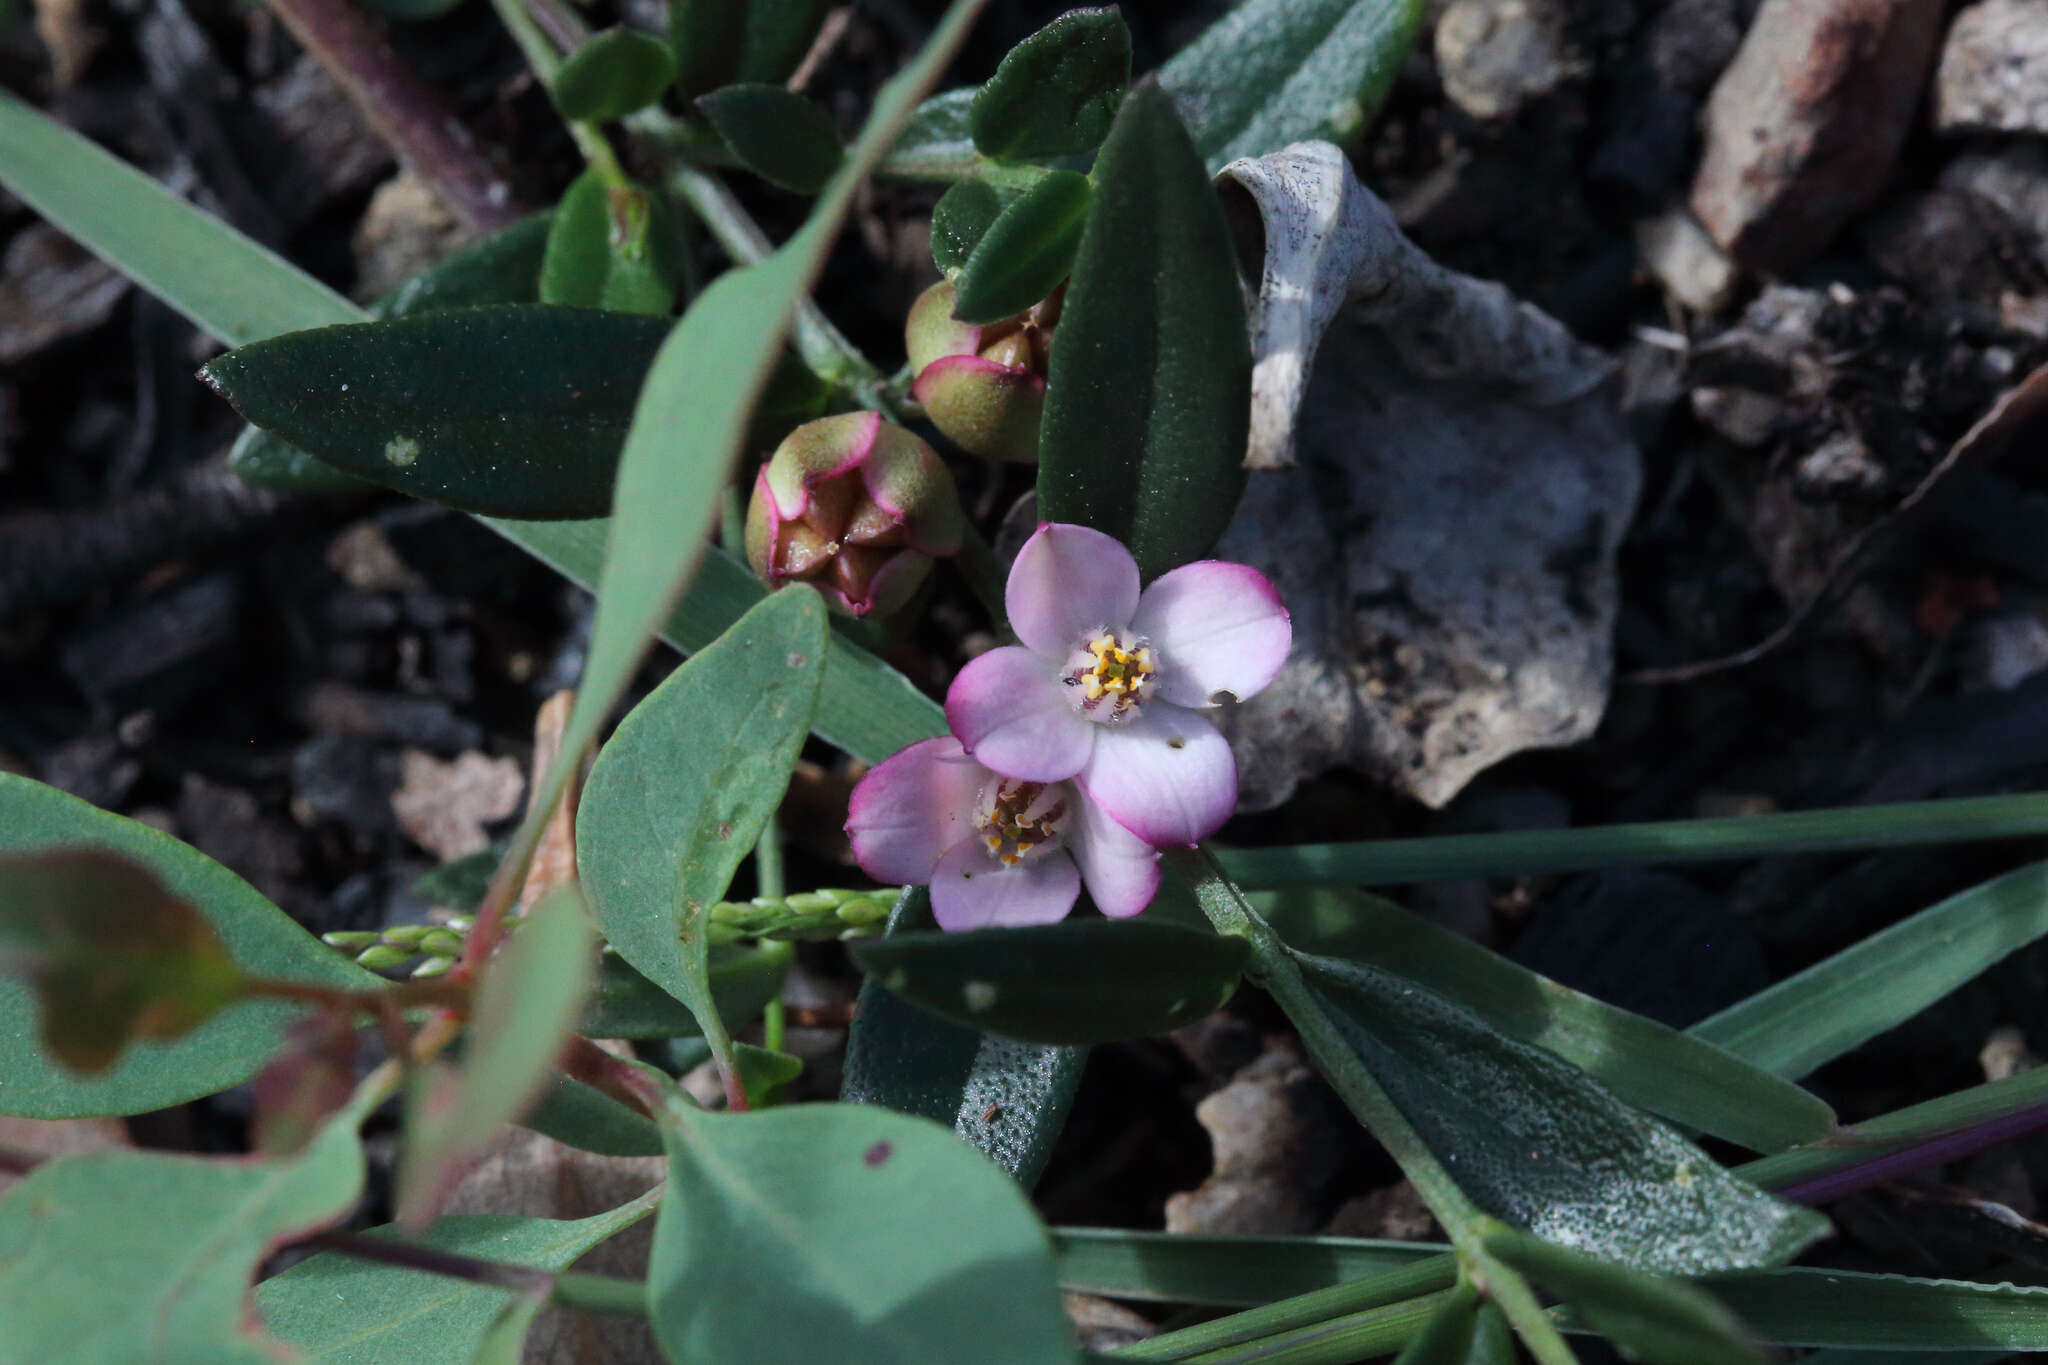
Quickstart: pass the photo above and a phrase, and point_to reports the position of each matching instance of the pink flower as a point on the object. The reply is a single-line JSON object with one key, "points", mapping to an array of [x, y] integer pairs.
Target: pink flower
{"points": [[1108, 686], [996, 851]]}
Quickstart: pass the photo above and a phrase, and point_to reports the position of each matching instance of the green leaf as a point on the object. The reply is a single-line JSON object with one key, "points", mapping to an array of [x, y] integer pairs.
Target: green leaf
{"points": [[1271, 72], [1056, 92], [1641, 1061], [1540, 1144], [865, 707], [610, 248], [877, 1232], [510, 410], [113, 955], [341, 1310], [1150, 391], [1522, 853], [526, 1007], [1009, 1099], [412, 11], [779, 33], [1493, 1341], [502, 268], [1448, 1337], [1026, 251], [616, 72], [679, 796], [1656, 1320], [1862, 991], [964, 212], [706, 37], [1076, 982], [1802, 1307], [145, 1256], [763, 1071], [781, 137], [584, 1116], [225, 1050], [241, 293], [1230, 1272], [935, 143], [626, 1004], [504, 1340]]}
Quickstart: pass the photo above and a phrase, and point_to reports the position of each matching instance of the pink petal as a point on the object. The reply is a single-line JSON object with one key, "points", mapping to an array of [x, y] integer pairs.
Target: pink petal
{"points": [[1069, 582], [1217, 627], [1167, 776], [1011, 711], [971, 890], [1120, 869], [911, 808]]}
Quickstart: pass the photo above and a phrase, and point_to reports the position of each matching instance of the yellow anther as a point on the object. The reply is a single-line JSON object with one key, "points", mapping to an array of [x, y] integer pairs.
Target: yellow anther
{"points": [[1091, 686]]}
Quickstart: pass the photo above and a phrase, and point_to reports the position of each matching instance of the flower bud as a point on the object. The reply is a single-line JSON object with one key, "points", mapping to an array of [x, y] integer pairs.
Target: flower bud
{"points": [[983, 386], [855, 507]]}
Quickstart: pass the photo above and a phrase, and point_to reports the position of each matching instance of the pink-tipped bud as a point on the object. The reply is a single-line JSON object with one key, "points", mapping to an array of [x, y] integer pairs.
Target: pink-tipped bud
{"points": [[983, 386], [855, 507]]}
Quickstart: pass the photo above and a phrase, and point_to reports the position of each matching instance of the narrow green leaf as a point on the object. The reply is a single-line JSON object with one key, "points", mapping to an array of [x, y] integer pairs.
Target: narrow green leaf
{"points": [[1008, 1099], [227, 1049], [963, 213], [340, 1310], [1231, 1272], [114, 956], [1523, 853], [1802, 1307], [525, 1009], [1493, 1341], [610, 248], [1271, 72], [146, 1256], [763, 1071], [1542, 1145], [679, 796], [1056, 92], [781, 137], [502, 268], [504, 1340], [879, 1233], [583, 1116], [626, 1004], [1150, 391], [1076, 982], [1026, 251], [1448, 1338], [509, 410], [1655, 1319], [1860, 992], [616, 72], [164, 244], [779, 33], [1641, 1061]]}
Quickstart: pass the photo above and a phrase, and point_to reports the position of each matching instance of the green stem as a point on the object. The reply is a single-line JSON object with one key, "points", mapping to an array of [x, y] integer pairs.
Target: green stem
{"points": [[1388, 862], [601, 1293], [1338, 1341], [768, 882], [1274, 969], [1304, 1311]]}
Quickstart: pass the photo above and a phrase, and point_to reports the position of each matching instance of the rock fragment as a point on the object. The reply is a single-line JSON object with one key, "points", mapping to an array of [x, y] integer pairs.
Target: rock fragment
{"points": [[1994, 69], [1803, 127]]}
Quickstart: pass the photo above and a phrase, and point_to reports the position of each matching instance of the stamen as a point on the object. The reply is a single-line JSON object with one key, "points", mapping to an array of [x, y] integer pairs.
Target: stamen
{"points": [[1020, 819], [1106, 670]]}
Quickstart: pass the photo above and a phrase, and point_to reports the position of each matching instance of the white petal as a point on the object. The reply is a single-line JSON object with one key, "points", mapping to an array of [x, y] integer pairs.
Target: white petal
{"points": [[911, 808], [1167, 775], [1068, 582], [1120, 870], [1012, 713], [971, 890], [1216, 627]]}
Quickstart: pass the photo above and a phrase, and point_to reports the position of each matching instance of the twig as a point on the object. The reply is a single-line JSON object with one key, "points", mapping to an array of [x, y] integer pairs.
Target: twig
{"points": [[520, 1279], [830, 34], [1934, 1151], [406, 112]]}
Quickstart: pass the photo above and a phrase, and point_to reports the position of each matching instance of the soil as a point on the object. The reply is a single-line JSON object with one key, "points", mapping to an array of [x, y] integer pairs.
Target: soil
{"points": [[249, 671]]}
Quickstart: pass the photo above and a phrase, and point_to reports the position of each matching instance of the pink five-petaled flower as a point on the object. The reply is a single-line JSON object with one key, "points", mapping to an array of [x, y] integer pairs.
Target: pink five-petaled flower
{"points": [[1105, 687], [996, 851]]}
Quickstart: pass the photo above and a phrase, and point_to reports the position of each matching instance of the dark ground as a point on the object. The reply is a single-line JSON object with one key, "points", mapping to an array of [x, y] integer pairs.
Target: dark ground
{"points": [[249, 671]]}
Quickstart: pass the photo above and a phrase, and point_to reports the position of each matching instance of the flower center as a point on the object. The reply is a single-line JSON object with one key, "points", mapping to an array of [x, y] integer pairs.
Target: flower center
{"points": [[1110, 677], [1019, 820]]}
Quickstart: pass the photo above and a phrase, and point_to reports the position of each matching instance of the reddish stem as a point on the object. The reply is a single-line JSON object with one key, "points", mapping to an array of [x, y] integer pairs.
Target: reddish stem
{"points": [[407, 113], [520, 1279], [1933, 1151], [585, 1061]]}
